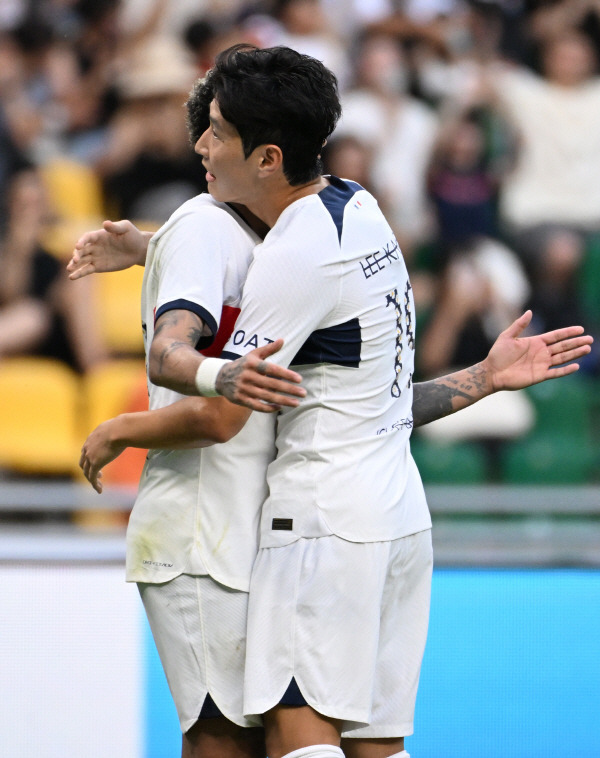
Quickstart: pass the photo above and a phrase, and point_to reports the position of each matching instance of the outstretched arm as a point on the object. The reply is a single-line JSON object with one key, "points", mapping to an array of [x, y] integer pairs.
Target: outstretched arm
{"points": [[118, 245], [513, 363], [188, 423]]}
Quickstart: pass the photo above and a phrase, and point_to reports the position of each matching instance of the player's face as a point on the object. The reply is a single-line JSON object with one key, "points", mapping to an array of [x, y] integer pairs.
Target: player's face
{"points": [[228, 172]]}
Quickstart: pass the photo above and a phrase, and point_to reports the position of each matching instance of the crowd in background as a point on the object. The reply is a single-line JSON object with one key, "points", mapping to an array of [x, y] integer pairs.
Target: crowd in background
{"points": [[475, 123]]}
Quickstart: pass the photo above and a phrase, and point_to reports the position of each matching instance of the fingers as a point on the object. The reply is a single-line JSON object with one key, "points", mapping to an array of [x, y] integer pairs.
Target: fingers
{"points": [[556, 373], [517, 326], [255, 361], [91, 473], [573, 343], [565, 356], [268, 392], [117, 227], [78, 273], [286, 379], [271, 394], [267, 350], [277, 380], [560, 335]]}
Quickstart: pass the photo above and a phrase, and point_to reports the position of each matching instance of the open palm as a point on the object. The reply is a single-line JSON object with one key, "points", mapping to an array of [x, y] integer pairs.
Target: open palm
{"points": [[515, 362]]}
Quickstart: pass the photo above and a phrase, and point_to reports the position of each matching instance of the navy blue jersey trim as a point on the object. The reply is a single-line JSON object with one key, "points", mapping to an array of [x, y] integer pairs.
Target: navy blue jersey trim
{"points": [[187, 305], [335, 198], [339, 345], [229, 356]]}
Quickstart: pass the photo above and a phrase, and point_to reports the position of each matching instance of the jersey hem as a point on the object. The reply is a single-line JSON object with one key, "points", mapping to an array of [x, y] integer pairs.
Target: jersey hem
{"points": [[233, 584]]}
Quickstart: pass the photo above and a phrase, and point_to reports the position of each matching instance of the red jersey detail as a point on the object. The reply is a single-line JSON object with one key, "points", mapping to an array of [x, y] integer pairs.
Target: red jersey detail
{"points": [[228, 318]]}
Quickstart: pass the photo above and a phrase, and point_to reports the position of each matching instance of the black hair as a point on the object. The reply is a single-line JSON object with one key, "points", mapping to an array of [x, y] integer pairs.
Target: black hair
{"points": [[271, 96]]}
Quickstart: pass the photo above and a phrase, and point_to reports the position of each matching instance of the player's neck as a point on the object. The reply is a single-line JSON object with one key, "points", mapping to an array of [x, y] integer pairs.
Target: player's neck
{"points": [[253, 221]]}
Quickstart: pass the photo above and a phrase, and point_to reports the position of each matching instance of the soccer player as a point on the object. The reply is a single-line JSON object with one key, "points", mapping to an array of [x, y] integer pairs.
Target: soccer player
{"points": [[340, 589], [189, 548]]}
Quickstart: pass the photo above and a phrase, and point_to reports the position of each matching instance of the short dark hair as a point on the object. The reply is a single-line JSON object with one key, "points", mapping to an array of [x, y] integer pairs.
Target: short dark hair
{"points": [[272, 96]]}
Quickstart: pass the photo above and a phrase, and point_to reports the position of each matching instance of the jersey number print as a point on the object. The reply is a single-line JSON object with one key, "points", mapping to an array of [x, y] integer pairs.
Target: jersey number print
{"points": [[405, 337]]}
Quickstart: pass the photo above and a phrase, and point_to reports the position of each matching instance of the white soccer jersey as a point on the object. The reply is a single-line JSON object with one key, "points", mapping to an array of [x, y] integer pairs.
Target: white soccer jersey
{"points": [[197, 511], [331, 280]]}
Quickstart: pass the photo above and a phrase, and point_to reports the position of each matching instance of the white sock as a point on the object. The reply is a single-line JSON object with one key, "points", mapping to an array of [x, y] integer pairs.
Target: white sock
{"points": [[317, 751]]}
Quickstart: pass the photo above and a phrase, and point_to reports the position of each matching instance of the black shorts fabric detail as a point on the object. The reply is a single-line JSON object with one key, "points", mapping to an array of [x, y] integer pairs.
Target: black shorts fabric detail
{"points": [[293, 696]]}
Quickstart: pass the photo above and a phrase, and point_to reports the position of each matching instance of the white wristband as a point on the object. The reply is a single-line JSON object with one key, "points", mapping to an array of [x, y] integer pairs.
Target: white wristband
{"points": [[206, 376]]}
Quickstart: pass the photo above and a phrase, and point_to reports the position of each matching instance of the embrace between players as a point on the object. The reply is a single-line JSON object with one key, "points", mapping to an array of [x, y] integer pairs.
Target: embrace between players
{"points": [[284, 556]]}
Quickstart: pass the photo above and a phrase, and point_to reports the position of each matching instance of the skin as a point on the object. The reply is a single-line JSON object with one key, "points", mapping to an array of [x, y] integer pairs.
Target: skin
{"points": [[513, 362], [258, 182], [173, 359]]}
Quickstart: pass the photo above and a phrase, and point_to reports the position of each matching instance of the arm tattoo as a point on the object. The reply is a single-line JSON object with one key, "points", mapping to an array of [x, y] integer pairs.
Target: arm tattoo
{"points": [[227, 379], [177, 332], [435, 399], [166, 321], [166, 353], [194, 334]]}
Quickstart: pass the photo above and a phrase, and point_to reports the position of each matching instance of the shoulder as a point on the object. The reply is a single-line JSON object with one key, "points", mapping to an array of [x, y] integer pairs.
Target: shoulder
{"points": [[202, 206], [203, 218]]}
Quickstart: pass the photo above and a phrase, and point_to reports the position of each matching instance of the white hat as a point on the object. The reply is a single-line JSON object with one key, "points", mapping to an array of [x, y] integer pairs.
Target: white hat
{"points": [[156, 66]]}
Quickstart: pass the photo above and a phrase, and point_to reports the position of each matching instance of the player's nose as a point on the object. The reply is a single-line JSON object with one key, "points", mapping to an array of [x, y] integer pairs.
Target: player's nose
{"points": [[200, 146]]}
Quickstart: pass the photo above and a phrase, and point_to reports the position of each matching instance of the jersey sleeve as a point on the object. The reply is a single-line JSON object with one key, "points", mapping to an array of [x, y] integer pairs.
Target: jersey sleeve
{"points": [[289, 293], [192, 267]]}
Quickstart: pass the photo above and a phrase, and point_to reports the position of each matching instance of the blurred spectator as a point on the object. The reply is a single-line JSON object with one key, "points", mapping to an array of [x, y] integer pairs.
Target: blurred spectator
{"points": [[482, 289], [550, 201], [399, 130], [348, 158], [304, 28], [463, 183], [557, 116], [41, 312], [12, 160], [148, 166]]}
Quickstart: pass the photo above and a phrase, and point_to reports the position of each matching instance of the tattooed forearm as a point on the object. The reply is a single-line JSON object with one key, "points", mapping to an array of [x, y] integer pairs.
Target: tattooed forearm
{"points": [[167, 352], [432, 400], [441, 397], [173, 359]]}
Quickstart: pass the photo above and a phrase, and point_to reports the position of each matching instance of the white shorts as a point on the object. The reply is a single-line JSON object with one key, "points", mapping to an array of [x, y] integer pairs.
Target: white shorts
{"points": [[348, 621], [199, 627]]}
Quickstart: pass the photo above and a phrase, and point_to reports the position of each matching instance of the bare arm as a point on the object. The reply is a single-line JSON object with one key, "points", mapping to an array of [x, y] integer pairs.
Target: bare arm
{"points": [[249, 381], [118, 245], [513, 363], [188, 423]]}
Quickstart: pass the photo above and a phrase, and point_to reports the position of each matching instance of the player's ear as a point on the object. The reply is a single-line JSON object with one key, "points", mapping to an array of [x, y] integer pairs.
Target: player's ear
{"points": [[270, 160]]}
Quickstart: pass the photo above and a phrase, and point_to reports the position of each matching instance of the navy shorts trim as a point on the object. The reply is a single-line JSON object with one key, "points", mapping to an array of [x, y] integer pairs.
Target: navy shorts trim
{"points": [[292, 696], [209, 710]]}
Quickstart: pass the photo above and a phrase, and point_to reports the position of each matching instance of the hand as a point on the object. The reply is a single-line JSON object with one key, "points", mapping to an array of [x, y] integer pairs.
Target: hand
{"points": [[516, 362], [97, 451], [118, 245], [258, 384]]}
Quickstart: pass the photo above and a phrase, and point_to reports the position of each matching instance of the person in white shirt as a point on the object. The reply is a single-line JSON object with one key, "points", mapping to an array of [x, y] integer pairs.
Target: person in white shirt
{"points": [[345, 545], [190, 548]]}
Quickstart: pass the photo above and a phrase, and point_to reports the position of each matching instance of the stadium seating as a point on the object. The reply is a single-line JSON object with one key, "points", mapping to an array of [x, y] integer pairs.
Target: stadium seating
{"points": [[118, 296], [589, 283], [40, 408], [110, 389], [542, 458], [560, 448], [47, 410], [74, 189], [449, 463]]}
